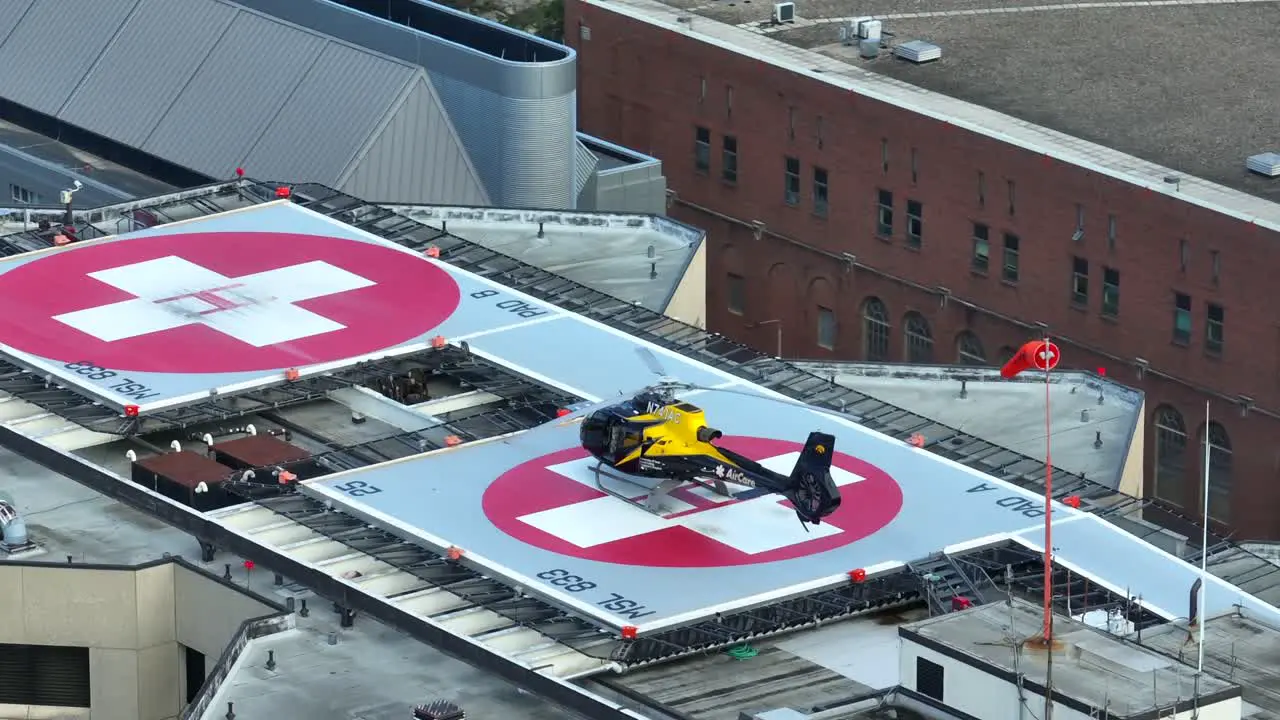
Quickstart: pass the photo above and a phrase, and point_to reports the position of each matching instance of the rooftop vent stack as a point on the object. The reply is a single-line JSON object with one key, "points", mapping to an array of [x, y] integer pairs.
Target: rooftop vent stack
{"points": [[868, 49], [784, 12], [1267, 163], [918, 51], [13, 530]]}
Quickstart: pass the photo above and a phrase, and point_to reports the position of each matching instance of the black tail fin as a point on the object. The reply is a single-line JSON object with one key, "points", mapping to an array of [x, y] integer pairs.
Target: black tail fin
{"points": [[812, 491]]}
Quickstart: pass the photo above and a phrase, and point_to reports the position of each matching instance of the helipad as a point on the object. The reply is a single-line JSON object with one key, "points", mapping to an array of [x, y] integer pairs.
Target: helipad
{"points": [[172, 315]]}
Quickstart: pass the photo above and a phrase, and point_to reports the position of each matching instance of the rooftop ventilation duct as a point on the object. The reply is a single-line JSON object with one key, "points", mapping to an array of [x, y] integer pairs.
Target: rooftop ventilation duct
{"points": [[918, 51], [1265, 164], [13, 529]]}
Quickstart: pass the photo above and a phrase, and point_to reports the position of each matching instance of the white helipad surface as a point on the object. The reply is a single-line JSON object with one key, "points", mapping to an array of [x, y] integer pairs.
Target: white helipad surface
{"points": [[171, 315]]}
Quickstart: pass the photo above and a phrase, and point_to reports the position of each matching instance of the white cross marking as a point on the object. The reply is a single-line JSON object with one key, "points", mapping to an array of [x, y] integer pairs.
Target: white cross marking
{"points": [[752, 526], [255, 309]]}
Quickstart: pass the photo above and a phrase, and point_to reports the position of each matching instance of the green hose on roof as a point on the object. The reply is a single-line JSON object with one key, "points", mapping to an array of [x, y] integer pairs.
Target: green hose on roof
{"points": [[742, 652]]}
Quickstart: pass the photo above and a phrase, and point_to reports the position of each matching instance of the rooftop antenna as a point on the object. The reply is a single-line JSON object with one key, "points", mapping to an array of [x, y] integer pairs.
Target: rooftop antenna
{"points": [[1201, 616]]}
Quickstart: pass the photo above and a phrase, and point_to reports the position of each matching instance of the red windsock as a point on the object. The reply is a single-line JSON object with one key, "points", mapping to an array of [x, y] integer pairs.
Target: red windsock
{"points": [[1037, 354]]}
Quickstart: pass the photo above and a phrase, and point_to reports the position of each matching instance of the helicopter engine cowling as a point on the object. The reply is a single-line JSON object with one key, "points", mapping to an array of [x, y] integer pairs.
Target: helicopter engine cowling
{"points": [[706, 433]]}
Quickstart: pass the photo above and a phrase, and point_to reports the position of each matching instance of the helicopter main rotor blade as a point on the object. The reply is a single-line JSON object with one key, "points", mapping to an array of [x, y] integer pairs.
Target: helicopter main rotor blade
{"points": [[651, 361]]}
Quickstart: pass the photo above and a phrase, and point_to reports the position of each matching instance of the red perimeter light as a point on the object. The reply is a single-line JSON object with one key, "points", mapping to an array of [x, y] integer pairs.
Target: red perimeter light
{"points": [[562, 412], [239, 172], [1072, 500], [1102, 371], [248, 564], [131, 411], [858, 575], [282, 192], [628, 632]]}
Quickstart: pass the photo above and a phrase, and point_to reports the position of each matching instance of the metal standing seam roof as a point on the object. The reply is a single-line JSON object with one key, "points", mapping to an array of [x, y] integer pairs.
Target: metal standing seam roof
{"points": [[205, 84]]}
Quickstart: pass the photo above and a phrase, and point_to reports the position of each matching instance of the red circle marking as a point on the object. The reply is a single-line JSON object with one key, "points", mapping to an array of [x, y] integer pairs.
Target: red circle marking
{"points": [[867, 507], [408, 299], [1045, 356]]}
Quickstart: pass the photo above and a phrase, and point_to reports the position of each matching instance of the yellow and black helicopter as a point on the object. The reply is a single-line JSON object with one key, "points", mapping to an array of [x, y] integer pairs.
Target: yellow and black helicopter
{"points": [[654, 435]]}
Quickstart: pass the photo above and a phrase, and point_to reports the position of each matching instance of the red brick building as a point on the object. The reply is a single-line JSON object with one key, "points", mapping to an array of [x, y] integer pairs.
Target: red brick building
{"points": [[854, 214]]}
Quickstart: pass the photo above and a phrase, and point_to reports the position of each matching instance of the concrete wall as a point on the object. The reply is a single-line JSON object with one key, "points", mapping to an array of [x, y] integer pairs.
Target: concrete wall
{"points": [[981, 695], [640, 189], [133, 621], [689, 301], [1132, 475]]}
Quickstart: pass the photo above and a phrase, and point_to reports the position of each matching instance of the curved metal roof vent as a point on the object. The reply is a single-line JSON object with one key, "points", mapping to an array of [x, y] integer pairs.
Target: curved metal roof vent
{"points": [[13, 529]]}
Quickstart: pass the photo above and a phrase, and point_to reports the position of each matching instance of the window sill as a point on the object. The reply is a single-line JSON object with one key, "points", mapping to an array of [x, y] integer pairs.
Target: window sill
{"points": [[887, 239], [1213, 354], [1180, 342], [703, 173], [1078, 306], [820, 215], [912, 248], [978, 272], [1112, 318], [1009, 283], [729, 183]]}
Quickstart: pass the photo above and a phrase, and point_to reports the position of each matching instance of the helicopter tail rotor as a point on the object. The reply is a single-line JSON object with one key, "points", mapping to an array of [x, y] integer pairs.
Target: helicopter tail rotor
{"points": [[812, 491]]}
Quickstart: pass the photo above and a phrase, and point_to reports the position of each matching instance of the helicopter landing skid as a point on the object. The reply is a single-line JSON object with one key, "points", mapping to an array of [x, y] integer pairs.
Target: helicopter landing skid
{"points": [[655, 493]]}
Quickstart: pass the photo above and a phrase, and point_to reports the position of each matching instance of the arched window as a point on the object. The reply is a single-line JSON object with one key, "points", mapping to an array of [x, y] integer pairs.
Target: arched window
{"points": [[1219, 472], [1171, 455], [969, 349], [875, 330], [919, 338]]}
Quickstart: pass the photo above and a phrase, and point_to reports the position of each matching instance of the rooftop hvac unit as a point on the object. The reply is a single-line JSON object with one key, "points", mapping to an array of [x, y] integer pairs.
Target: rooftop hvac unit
{"points": [[869, 49], [918, 51], [784, 12], [869, 29], [1265, 164]]}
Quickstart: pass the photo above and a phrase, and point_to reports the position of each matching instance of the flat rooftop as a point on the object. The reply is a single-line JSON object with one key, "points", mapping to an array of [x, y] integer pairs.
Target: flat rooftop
{"points": [[1092, 419], [1045, 62], [1092, 667], [642, 259], [1236, 646], [1062, 79], [37, 162], [312, 678]]}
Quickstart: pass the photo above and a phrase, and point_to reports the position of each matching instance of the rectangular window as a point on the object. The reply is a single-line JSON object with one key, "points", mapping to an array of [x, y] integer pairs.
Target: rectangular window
{"points": [[982, 189], [915, 223], [1013, 197], [981, 248], [701, 149], [915, 165], [23, 195], [1111, 232], [792, 189], [729, 159], [929, 678], [1184, 255], [820, 191], [791, 123], [1080, 282], [1010, 269], [1181, 318], [1110, 292], [884, 214], [737, 287], [702, 89], [1215, 265], [728, 101], [826, 328], [1214, 325], [818, 132], [1078, 235], [884, 156]]}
